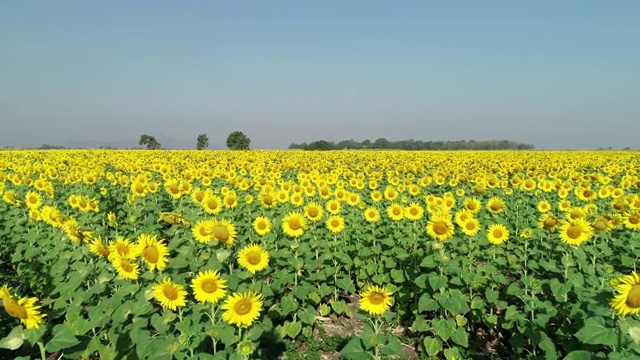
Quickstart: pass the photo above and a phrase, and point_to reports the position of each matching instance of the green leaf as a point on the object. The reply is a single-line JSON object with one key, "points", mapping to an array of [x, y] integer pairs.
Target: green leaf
{"points": [[432, 345], [354, 350], [307, 315], [420, 324], [63, 338], [345, 284], [339, 306], [421, 281], [460, 337], [578, 355], [393, 346], [288, 304], [444, 328], [397, 275], [294, 329], [426, 303], [594, 332], [455, 302], [437, 281], [14, 340]]}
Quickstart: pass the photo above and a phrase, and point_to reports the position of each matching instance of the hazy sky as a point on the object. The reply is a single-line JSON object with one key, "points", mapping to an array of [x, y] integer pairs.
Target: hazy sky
{"points": [[554, 73]]}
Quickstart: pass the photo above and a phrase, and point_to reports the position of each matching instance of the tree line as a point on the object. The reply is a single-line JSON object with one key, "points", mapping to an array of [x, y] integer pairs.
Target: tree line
{"points": [[237, 140], [411, 144]]}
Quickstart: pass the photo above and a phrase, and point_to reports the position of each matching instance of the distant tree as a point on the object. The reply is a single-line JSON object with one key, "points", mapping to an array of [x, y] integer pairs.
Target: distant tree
{"points": [[203, 142], [149, 141], [237, 140], [321, 145], [50, 147], [381, 143]]}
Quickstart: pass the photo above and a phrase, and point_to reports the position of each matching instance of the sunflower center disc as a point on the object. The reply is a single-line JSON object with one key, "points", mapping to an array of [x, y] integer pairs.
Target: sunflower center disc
{"points": [[15, 310], [151, 254], [262, 226], [170, 292], [549, 223], [599, 225], [497, 233], [294, 224], [634, 219], [495, 207], [470, 226], [220, 232], [633, 299], [209, 286], [126, 266], [242, 307], [313, 212], [253, 258], [574, 232], [440, 228], [376, 298]]}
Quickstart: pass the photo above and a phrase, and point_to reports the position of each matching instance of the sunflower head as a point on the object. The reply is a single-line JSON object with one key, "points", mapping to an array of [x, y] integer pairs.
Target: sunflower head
{"points": [[375, 300]]}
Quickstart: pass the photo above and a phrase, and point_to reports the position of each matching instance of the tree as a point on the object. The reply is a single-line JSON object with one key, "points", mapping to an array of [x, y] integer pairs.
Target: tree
{"points": [[203, 142], [237, 140], [149, 141]]}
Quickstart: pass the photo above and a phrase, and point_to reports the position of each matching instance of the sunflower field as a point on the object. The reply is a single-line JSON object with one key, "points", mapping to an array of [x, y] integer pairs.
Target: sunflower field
{"points": [[319, 255]]}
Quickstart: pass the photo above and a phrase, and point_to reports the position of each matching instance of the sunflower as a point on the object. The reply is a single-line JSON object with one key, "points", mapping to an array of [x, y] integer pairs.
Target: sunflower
{"points": [[262, 225], [626, 299], [222, 231], [202, 231], [497, 234], [230, 199], [294, 224], [632, 220], [253, 258], [153, 252], [169, 294], [496, 205], [526, 233], [267, 199], [544, 206], [375, 300], [371, 214], [414, 211], [575, 231], [333, 206], [122, 248], [395, 212], [111, 219], [208, 287], [10, 198], [97, 247], [33, 200], [472, 204], [548, 222], [470, 227], [24, 309], [212, 204], [125, 268], [313, 211], [242, 309], [440, 227], [462, 216], [376, 196], [335, 224]]}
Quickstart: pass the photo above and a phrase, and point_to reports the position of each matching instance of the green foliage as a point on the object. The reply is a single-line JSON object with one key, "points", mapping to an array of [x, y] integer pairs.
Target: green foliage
{"points": [[202, 142], [237, 140], [149, 141]]}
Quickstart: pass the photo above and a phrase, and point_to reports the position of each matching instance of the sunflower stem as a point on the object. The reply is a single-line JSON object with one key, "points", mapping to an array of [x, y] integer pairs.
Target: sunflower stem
{"points": [[43, 354]]}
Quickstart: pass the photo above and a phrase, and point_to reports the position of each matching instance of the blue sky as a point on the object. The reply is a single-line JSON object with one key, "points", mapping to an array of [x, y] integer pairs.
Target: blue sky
{"points": [[557, 74]]}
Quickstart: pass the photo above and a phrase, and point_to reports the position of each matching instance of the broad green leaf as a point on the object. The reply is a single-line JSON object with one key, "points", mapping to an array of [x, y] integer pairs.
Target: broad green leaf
{"points": [[354, 350], [594, 332], [13, 340], [578, 355], [432, 345], [444, 328], [63, 338], [426, 303], [460, 337]]}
